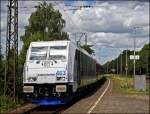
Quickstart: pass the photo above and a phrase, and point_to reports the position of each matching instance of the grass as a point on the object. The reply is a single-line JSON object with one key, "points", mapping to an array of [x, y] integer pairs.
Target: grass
{"points": [[7, 104], [124, 84]]}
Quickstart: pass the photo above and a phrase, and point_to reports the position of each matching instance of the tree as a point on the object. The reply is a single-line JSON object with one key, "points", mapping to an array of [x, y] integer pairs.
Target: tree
{"points": [[45, 24], [2, 69], [46, 18], [88, 49], [142, 66]]}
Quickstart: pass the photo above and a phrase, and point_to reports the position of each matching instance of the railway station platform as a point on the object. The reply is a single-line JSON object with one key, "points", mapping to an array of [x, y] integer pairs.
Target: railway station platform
{"points": [[110, 102]]}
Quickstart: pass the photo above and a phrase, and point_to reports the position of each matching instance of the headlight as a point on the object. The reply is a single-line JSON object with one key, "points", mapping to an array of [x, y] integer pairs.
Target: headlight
{"points": [[61, 88], [32, 79], [60, 78], [28, 89]]}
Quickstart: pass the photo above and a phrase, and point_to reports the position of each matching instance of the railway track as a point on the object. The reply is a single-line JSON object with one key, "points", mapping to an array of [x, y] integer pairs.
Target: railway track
{"points": [[46, 109], [36, 109], [23, 109]]}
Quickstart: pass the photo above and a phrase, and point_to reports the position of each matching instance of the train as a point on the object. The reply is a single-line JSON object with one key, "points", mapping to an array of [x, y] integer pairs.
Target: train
{"points": [[55, 71]]}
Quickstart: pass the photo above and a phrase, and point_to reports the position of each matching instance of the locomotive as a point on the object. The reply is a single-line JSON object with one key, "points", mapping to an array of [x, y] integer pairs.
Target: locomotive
{"points": [[55, 70]]}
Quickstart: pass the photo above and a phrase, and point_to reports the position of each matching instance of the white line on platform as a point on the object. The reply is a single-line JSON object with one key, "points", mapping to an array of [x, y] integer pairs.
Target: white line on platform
{"points": [[91, 109]]}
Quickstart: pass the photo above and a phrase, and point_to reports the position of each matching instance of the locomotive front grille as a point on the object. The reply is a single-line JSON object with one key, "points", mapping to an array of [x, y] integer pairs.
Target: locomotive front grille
{"points": [[40, 91]]}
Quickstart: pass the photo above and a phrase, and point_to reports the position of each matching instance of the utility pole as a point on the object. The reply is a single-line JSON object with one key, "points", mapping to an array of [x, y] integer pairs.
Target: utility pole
{"points": [[126, 68], [81, 35], [85, 39], [121, 65], [134, 61], [113, 69], [117, 65], [11, 47], [0, 50], [134, 53], [107, 68], [147, 58], [74, 36], [126, 64]]}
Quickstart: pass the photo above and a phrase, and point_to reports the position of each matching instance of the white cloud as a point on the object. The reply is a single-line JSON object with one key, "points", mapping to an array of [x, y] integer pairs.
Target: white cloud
{"points": [[109, 23], [111, 18]]}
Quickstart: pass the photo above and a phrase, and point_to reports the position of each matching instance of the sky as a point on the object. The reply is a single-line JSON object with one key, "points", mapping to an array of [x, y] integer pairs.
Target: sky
{"points": [[109, 25]]}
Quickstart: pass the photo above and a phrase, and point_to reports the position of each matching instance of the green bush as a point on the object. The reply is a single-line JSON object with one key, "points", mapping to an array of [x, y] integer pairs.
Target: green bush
{"points": [[124, 84], [7, 103]]}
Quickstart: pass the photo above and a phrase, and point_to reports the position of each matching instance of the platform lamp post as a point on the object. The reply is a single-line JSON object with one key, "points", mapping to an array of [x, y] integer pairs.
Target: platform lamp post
{"points": [[121, 65], [107, 67], [134, 61], [117, 65], [134, 52], [126, 68], [134, 45]]}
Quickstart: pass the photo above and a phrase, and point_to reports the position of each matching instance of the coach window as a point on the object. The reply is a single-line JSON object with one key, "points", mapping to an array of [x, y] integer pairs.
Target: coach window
{"points": [[84, 64], [81, 64]]}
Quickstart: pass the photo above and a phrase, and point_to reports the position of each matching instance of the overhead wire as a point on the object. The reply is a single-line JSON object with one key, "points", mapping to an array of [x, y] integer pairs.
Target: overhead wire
{"points": [[72, 22]]}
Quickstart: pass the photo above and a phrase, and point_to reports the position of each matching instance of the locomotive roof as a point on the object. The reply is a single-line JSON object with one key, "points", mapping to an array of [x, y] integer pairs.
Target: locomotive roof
{"points": [[48, 43], [61, 43]]}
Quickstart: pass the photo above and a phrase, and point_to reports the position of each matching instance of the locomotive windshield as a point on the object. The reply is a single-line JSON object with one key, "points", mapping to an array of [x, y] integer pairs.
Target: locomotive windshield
{"points": [[58, 47], [38, 53], [56, 53], [57, 57]]}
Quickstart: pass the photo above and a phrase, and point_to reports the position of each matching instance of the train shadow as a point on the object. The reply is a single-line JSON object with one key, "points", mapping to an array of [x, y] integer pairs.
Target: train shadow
{"points": [[86, 92], [45, 109], [93, 89]]}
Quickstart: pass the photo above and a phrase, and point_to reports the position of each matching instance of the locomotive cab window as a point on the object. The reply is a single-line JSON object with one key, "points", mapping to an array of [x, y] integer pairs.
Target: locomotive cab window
{"points": [[57, 57], [38, 53], [57, 53], [58, 47]]}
